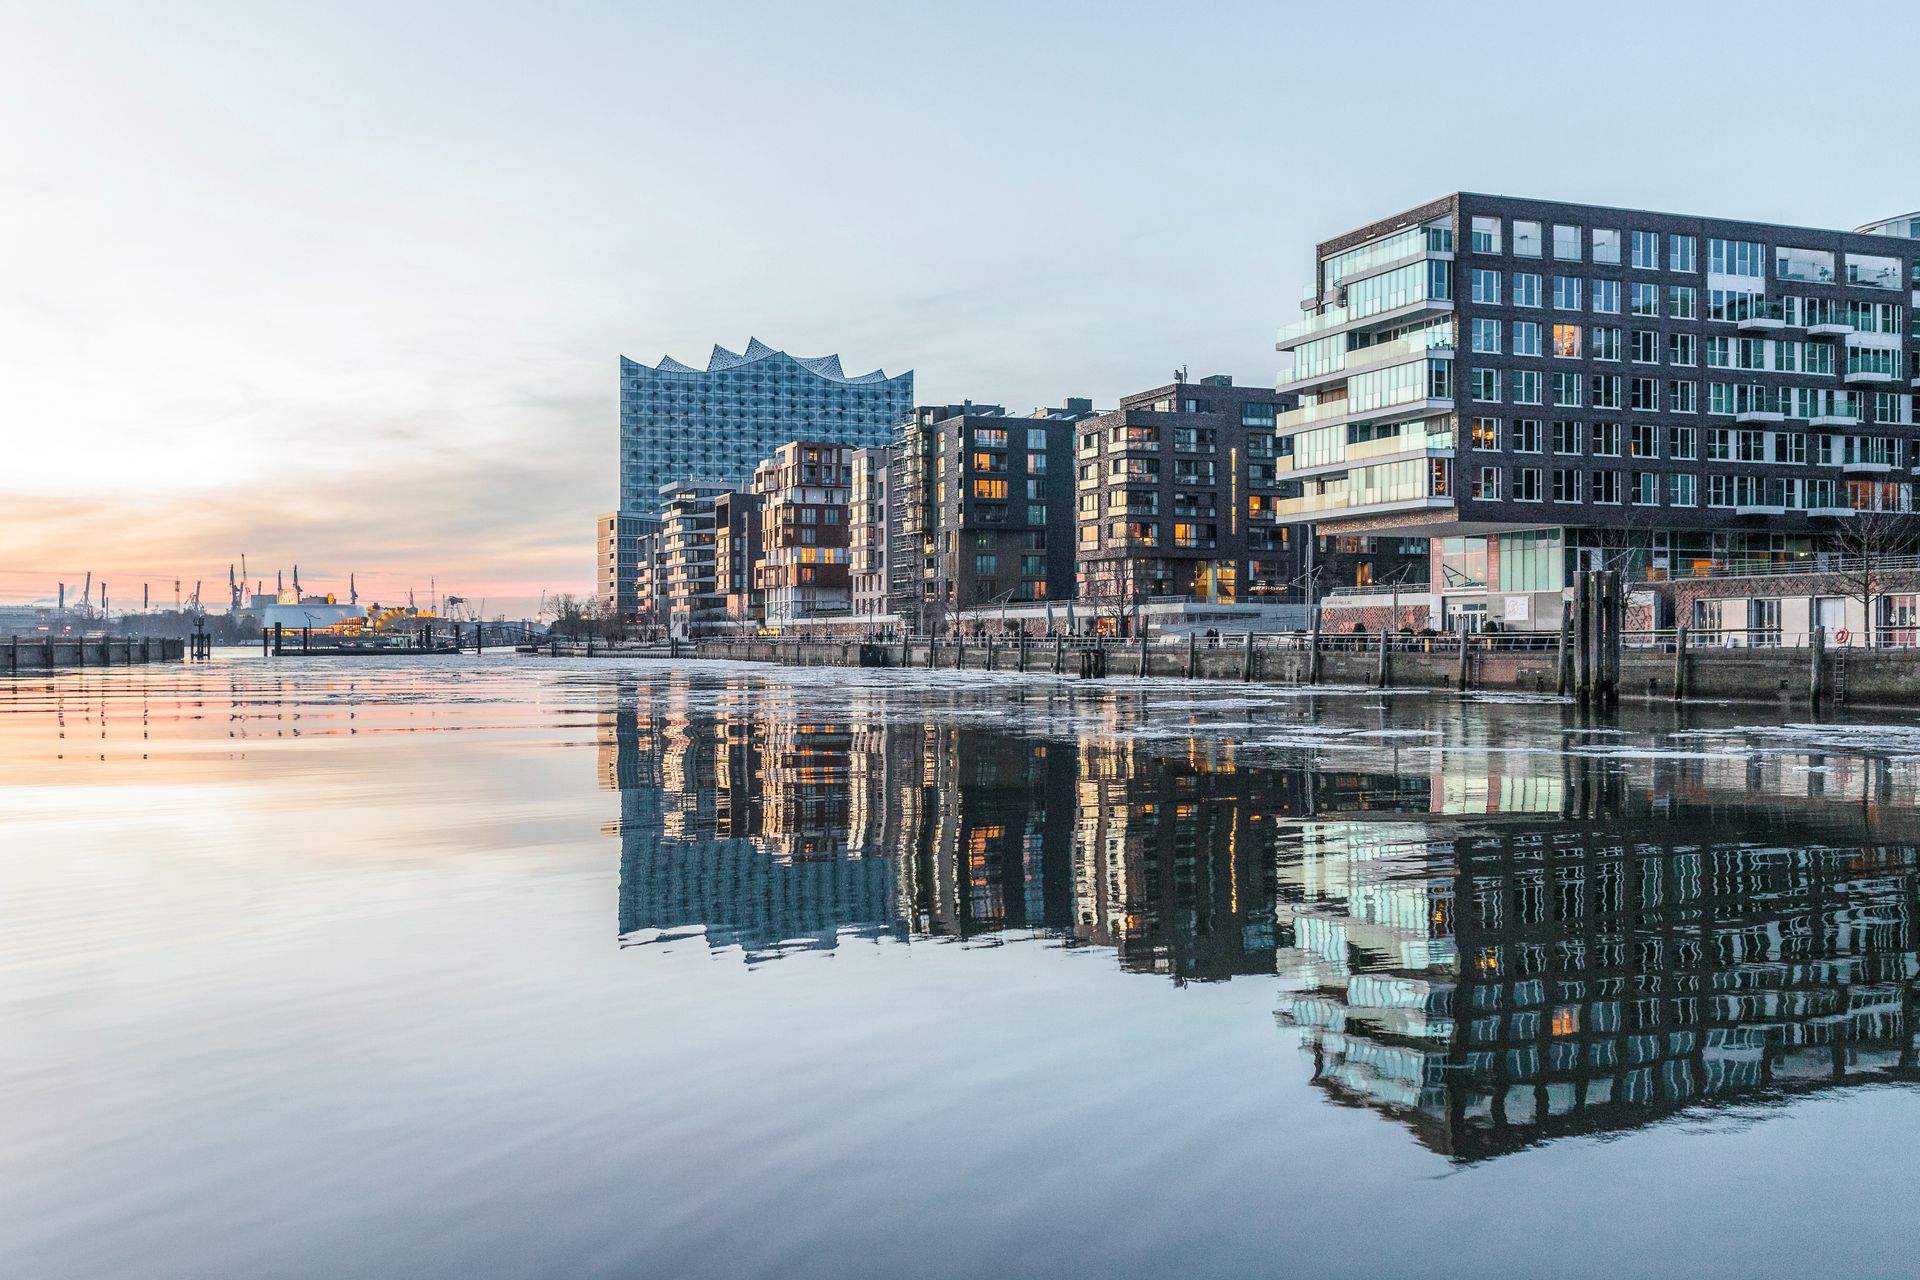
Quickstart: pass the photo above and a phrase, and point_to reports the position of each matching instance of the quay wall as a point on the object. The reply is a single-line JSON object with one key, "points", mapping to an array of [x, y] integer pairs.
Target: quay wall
{"points": [[44, 653], [1785, 675]]}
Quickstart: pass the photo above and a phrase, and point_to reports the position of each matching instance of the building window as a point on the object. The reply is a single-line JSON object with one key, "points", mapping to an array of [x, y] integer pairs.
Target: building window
{"points": [[1604, 487], [1606, 439], [1681, 348], [1526, 484], [1606, 296], [1566, 293], [1526, 386], [1681, 444], [1683, 302], [1645, 440], [1486, 336], [1646, 489], [1645, 299], [1644, 395], [1606, 246], [1256, 413], [985, 488], [1566, 437], [1606, 342], [1646, 250], [1605, 391], [1732, 258], [1526, 337], [1680, 254], [1486, 433], [1646, 346], [1526, 289], [1526, 435], [1486, 235], [1526, 239], [1486, 385], [1566, 390], [1680, 490], [1566, 341], [1683, 397], [1566, 243], [984, 566], [1486, 286], [1566, 484], [1486, 484]]}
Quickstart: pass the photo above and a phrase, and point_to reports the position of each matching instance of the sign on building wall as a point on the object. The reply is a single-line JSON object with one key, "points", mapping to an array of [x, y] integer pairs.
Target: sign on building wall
{"points": [[1518, 608]]}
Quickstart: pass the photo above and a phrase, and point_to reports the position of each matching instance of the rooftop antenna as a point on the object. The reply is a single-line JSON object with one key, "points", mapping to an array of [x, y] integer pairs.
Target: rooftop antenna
{"points": [[1180, 374]]}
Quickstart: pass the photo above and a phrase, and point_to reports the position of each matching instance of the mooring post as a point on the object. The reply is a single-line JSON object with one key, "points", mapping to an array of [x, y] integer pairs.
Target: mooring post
{"points": [[1022, 642], [1562, 657], [1059, 654], [960, 655], [1616, 626], [1142, 624], [989, 652], [1462, 681], [1816, 686], [279, 639], [1246, 669], [1193, 655], [1380, 675], [1313, 650], [1579, 626]]}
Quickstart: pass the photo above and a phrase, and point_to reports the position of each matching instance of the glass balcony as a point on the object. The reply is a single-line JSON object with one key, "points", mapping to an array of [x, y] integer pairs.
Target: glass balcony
{"points": [[1436, 341], [1758, 314]]}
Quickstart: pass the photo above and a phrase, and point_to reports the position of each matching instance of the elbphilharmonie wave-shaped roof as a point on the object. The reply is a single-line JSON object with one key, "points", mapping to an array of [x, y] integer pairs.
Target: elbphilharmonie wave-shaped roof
{"points": [[723, 359]]}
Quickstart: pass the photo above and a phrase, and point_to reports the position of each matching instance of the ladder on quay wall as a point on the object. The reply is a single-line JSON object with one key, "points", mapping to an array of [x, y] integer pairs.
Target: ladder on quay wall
{"points": [[1840, 677]]}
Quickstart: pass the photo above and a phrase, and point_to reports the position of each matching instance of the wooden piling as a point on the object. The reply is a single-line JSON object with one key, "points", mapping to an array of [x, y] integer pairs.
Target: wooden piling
{"points": [[1246, 667], [1680, 662], [1462, 681], [1381, 676], [1193, 656], [1816, 678]]}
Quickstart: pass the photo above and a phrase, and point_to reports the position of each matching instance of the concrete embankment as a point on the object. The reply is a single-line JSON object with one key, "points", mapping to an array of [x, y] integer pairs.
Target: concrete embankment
{"points": [[44, 653], [1772, 675]]}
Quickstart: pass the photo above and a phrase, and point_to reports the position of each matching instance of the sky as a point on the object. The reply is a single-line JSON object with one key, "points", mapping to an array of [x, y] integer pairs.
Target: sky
{"points": [[345, 285]]}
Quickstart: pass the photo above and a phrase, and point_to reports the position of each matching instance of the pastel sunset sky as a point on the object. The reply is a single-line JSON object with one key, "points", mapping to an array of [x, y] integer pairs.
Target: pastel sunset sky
{"points": [[345, 284]]}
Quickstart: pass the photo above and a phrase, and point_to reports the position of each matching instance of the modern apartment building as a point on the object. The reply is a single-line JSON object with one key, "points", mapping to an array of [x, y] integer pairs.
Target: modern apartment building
{"points": [[694, 601], [1537, 386], [1175, 498], [983, 511], [869, 531], [618, 536], [804, 491], [649, 581], [713, 425], [736, 546]]}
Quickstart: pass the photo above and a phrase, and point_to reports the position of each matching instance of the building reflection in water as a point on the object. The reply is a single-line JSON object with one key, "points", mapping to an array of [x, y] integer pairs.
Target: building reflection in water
{"points": [[1494, 947]]}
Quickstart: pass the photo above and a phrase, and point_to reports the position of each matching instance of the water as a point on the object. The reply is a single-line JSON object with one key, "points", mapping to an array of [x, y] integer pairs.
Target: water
{"points": [[475, 967]]}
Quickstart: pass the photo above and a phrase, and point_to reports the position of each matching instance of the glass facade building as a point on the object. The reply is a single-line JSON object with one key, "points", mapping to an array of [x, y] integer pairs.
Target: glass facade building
{"points": [[715, 424]]}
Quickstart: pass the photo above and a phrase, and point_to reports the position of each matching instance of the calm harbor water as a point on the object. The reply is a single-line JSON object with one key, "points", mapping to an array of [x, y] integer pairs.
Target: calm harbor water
{"points": [[479, 967]]}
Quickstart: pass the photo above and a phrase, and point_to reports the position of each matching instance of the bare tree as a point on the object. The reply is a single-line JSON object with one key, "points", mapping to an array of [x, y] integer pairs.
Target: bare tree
{"points": [[1869, 544], [1113, 598]]}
